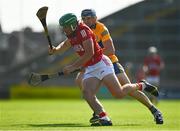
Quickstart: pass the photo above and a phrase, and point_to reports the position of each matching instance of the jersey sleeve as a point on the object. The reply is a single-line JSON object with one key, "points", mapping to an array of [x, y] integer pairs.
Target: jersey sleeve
{"points": [[105, 34]]}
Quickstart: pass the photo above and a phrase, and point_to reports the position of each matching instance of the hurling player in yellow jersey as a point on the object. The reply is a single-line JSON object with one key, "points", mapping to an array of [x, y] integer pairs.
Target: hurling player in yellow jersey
{"points": [[105, 41]]}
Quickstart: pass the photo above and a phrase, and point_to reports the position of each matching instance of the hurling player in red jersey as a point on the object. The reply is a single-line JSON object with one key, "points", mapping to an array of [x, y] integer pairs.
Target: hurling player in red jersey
{"points": [[105, 41], [98, 67], [153, 64]]}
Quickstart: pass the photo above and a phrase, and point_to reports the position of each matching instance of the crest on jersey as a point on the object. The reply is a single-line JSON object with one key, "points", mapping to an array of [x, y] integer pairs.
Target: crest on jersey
{"points": [[83, 33]]}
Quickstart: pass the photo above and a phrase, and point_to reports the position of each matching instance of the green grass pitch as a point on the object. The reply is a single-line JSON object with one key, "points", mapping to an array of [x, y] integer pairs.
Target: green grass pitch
{"points": [[127, 115]]}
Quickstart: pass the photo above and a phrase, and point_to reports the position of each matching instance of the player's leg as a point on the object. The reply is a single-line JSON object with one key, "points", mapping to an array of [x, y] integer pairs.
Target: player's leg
{"points": [[118, 91], [78, 80], [111, 81], [123, 79], [138, 95], [141, 97], [88, 90], [121, 91], [90, 86], [109, 78]]}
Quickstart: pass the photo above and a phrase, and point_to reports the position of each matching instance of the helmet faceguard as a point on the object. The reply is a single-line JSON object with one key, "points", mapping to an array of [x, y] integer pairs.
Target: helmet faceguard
{"points": [[68, 21]]}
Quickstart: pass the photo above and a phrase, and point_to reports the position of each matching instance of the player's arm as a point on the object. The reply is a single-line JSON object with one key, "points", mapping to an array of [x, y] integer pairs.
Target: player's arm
{"points": [[107, 42], [89, 52], [62, 47], [108, 47], [88, 47]]}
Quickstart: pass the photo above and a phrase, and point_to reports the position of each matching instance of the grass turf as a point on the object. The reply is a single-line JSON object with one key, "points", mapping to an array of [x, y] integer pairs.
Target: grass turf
{"points": [[127, 115]]}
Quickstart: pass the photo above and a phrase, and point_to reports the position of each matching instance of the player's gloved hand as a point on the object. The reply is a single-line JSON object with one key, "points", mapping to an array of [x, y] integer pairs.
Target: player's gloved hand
{"points": [[68, 69], [52, 51]]}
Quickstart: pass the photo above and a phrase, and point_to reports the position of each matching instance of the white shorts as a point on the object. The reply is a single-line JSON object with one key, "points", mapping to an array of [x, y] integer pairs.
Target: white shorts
{"points": [[99, 70]]}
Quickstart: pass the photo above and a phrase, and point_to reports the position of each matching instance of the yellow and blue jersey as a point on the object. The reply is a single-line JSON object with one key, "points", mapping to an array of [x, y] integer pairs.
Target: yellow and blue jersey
{"points": [[102, 34]]}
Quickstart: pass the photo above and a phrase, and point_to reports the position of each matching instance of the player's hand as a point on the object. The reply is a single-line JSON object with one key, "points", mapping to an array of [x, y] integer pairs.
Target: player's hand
{"points": [[68, 69], [52, 51]]}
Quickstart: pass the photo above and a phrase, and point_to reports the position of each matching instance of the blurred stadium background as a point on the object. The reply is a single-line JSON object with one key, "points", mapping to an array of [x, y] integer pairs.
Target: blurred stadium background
{"points": [[133, 29]]}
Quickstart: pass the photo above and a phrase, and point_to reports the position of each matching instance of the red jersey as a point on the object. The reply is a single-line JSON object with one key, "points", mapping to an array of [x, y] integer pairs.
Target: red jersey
{"points": [[153, 63], [83, 33]]}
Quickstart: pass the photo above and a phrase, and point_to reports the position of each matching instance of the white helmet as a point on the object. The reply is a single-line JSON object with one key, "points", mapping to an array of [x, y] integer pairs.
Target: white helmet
{"points": [[152, 50]]}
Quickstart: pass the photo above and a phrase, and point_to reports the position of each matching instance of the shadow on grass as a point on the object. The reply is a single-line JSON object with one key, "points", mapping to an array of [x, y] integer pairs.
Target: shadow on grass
{"points": [[74, 125], [59, 125], [70, 125], [128, 124]]}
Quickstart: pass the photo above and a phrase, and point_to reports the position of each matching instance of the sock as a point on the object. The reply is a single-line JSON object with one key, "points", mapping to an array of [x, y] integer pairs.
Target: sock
{"points": [[103, 115], [153, 109]]}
